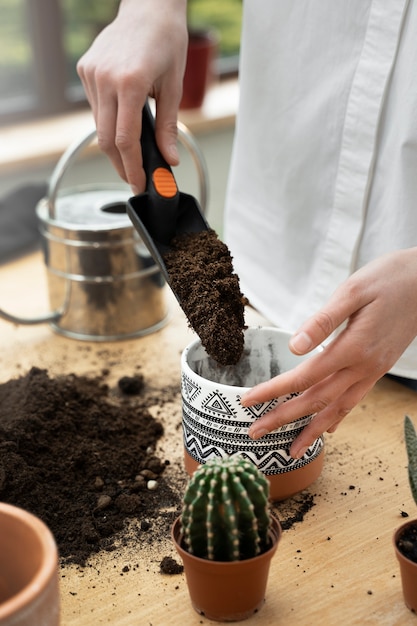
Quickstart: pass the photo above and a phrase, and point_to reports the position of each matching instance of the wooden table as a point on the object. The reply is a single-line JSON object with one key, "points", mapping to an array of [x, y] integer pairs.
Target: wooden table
{"points": [[337, 567]]}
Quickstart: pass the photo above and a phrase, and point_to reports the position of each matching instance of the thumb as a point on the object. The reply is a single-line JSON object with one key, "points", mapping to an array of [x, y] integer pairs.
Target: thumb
{"points": [[323, 323]]}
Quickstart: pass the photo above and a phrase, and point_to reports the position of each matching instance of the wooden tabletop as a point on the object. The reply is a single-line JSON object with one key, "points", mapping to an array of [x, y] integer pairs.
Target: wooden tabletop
{"points": [[336, 567]]}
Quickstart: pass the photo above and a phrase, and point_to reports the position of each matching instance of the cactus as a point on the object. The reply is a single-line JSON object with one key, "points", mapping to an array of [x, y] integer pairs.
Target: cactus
{"points": [[411, 446], [226, 512]]}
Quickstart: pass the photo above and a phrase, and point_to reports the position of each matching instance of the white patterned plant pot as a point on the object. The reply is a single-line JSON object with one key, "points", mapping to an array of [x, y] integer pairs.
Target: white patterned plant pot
{"points": [[216, 424]]}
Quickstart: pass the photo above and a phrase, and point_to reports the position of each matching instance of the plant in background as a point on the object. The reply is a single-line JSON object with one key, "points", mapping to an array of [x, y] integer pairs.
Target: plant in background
{"points": [[226, 513], [224, 16], [405, 537], [411, 447]]}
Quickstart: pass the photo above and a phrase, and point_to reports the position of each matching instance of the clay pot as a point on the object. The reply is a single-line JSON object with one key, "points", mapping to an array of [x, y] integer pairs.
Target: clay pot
{"points": [[201, 53], [281, 486], [408, 568], [29, 591], [215, 424], [227, 591]]}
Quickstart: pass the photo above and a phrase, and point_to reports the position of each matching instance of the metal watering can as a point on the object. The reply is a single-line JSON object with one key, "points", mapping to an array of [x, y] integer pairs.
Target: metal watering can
{"points": [[103, 284]]}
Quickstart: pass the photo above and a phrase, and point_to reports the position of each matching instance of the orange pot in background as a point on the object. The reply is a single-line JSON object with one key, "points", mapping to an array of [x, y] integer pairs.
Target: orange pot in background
{"points": [[408, 568], [199, 71], [29, 588]]}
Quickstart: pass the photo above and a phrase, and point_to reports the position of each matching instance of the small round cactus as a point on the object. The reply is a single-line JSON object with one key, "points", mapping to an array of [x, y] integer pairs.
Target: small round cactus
{"points": [[226, 512]]}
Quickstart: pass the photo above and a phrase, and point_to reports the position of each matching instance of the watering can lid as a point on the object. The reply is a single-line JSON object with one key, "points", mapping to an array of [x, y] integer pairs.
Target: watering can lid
{"points": [[89, 208]]}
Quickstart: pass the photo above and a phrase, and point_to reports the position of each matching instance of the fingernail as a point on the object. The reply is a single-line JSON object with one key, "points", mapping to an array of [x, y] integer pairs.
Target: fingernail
{"points": [[248, 399], [301, 343], [173, 151], [257, 433], [135, 190], [298, 454], [244, 399]]}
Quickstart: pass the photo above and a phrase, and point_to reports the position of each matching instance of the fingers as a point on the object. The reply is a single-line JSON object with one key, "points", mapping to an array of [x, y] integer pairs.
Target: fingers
{"points": [[329, 402], [125, 143], [166, 129], [118, 119], [347, 299], [330, 418], [314, 401], [302, 377], [106, 122]]}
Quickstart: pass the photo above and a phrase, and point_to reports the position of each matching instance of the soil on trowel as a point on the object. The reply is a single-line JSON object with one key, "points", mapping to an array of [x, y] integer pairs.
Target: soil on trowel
{"points": [[201, 271], [82, 458]]}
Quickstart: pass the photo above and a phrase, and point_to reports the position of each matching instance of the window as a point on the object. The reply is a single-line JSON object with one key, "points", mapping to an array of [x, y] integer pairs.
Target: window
{"points": [[42, 40]]}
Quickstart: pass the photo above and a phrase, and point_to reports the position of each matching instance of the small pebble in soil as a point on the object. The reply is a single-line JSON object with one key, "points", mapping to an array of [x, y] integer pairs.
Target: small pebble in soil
{"points": [[131, 385]]}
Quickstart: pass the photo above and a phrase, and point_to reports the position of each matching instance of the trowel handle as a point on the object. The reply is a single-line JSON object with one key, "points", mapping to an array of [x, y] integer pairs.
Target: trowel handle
{"points": [[160, 181]]}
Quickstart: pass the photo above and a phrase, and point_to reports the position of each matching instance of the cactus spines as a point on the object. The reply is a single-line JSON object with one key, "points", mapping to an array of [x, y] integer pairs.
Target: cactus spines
{"points": [[411, 446], [226, 513]]}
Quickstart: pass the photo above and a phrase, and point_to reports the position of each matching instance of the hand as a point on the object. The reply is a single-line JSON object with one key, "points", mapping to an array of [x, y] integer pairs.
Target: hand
{"points": [[142, 52], [379, 304]]}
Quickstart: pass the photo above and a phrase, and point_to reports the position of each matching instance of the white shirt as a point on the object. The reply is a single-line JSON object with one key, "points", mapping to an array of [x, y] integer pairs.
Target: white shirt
{"points": [[324, 168]]}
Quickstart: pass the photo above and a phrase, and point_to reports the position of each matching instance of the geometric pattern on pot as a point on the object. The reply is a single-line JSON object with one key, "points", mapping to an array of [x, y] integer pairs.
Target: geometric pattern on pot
{"points": [[216, 404], [271, 461], [190, 388], [218, 431], [258, 410]]}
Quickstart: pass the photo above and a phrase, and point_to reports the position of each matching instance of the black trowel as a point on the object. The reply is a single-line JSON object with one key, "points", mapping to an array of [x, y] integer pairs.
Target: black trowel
{"points": [[161, 212]]}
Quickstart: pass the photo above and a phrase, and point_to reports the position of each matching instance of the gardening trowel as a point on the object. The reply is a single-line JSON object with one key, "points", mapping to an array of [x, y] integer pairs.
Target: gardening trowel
{"points": [[162, 212]]}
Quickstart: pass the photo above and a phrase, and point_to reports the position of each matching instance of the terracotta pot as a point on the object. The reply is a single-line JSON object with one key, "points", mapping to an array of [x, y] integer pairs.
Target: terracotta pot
{"points": [[227, 591], [29, 591], [201, 53], [282, 486], [215, 424], [408, 569]]}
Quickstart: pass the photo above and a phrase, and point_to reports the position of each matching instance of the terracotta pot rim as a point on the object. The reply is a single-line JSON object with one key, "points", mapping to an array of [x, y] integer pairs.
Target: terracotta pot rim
{"points": [[47, 570], [397, 533], [275, 533]]}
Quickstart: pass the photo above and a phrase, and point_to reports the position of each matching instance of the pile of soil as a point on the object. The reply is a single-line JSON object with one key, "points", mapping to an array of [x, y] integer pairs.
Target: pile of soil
{"points": [[201, 274], [81, 458]]}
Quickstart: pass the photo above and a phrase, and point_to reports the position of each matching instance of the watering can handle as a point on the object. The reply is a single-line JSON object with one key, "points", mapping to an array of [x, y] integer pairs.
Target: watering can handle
{"points": [[66, 160], [69, 156]]}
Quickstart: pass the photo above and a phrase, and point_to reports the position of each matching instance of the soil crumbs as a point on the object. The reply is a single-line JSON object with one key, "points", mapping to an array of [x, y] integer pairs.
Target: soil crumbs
{"points": [[201, 272], [82, 458]]}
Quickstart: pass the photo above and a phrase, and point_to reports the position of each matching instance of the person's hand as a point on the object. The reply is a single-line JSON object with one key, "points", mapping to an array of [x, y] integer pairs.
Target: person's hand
{"points": [[142, 52], [379, 304]]}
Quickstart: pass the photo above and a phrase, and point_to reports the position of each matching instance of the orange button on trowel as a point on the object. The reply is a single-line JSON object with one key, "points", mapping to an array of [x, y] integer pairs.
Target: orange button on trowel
{"points": [[164, 182]]}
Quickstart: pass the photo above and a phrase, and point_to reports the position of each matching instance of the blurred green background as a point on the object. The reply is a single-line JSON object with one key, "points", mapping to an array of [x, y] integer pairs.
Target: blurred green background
{"points": [[82, 20]]}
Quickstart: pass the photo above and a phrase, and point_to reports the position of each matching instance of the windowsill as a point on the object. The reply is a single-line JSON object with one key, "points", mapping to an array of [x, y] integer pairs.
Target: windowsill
{"points": [[42, 141]]}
